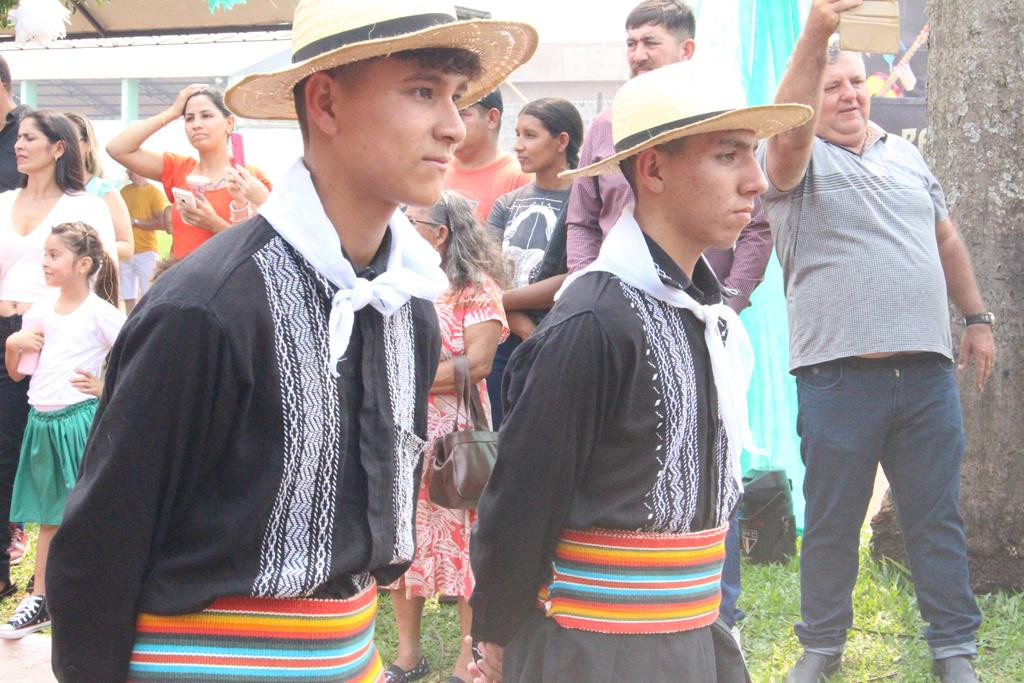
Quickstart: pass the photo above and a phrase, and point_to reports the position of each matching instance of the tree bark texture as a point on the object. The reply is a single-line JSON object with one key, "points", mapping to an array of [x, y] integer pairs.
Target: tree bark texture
{"points": [[976, 149]]}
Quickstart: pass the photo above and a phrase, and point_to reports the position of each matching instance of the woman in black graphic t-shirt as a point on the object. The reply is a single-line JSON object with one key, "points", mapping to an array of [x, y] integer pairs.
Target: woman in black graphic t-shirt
{"points": [[530, 223]]}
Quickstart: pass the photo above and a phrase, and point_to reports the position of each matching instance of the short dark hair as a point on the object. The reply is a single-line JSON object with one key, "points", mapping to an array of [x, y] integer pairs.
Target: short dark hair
{"points": [[5, 75], [559, 116], [449, 60], [675, 15], [628, 165], [69, 173]]}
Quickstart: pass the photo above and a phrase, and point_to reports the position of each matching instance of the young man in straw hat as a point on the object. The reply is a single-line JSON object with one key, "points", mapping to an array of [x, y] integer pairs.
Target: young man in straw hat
{"points": [[258, 443], [600, 538], [867, 280]]}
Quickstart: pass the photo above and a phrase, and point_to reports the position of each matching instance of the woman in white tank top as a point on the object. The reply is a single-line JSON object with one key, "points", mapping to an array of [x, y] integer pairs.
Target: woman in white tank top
{"points": [[53, 192]]}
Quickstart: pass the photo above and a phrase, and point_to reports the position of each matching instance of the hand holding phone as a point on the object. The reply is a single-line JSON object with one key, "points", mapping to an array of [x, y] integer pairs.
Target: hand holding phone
{"points": [[184, 197]]}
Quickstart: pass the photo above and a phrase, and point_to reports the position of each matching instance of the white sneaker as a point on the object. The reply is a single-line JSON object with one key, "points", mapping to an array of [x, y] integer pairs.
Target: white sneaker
{"points": [[31, 616]]}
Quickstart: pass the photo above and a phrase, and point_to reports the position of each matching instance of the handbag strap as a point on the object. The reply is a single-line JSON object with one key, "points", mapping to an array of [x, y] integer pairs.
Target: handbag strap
{"points": [[468, 395]]}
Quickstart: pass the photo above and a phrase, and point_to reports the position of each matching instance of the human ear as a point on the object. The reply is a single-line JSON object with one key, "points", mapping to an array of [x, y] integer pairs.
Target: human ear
{"points": [[650, 171], [442, 236], [686, 49], [58, 149], [84, 265], [563, 141], [493, 118], [320, 99]]}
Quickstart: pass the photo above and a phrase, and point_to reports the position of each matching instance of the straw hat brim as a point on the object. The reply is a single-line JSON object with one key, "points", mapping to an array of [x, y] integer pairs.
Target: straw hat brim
{"points": [[765, 121], [503, 46]]}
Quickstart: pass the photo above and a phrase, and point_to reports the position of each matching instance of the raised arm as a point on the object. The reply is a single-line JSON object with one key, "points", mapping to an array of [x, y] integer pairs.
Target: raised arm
{"points": [[126, 147], [789, 153]]}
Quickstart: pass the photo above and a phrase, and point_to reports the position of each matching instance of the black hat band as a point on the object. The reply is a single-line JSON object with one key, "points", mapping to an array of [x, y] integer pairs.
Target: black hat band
{"points": [[381, 29], [643, 136]]}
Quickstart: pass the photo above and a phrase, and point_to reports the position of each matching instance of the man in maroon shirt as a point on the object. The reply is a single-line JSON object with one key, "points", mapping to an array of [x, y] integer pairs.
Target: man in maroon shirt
{"points": [[658, 33]]}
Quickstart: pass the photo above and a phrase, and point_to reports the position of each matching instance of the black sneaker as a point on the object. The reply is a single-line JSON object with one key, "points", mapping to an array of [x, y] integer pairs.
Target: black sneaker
{"points": [[31, 616]]}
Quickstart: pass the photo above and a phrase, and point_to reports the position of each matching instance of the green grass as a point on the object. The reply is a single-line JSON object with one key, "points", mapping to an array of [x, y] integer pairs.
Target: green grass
{"points": [[885, 644]]}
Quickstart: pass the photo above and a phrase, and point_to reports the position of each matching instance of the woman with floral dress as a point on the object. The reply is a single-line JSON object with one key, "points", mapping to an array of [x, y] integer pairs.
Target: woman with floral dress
{"points": [[472, 323]]}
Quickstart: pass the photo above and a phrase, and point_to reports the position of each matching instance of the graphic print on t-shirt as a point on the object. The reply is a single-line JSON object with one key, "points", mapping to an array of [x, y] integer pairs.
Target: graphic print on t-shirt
{"points": [[532, 218]]}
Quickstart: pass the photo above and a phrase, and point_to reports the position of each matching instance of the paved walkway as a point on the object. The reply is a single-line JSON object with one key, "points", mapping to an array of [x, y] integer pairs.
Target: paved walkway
{"points": [[26, 660]]}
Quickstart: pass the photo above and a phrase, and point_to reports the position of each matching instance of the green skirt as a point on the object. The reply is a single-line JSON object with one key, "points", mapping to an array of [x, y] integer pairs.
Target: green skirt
{"points": [[50, 455]]}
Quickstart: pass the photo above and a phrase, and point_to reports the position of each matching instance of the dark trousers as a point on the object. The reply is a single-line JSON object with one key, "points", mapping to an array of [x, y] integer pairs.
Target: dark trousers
{"points": [[501, 357], [13, 415], [904, 412], [729, 612]]}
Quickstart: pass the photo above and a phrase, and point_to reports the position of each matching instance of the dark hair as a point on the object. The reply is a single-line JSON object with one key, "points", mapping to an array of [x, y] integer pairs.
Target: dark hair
{"points": [[215, 95], [450, 60], [83, 240], [628, 165], [472, 253], [5, 75], [69, 171], [559, 116], [492, 100], [674, 15], [93, 167]]}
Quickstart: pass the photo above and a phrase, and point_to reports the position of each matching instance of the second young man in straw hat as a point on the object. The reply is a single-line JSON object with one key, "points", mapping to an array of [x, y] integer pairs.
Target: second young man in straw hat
{"points": [[619, 454], [258, 444]]}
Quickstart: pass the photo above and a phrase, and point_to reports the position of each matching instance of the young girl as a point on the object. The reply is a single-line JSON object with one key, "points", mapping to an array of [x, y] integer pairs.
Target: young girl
{"points": [[71, 335]]}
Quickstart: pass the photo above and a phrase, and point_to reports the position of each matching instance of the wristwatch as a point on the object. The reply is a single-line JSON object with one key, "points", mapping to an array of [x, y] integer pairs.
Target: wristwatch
{"points": [[980, 319]]}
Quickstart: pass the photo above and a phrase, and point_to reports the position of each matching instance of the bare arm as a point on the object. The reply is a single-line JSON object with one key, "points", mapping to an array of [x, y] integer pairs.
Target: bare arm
{"points": [[23, 340], [481, 342], [789, 153], [977, 343], [122, 224], [539, 295], [126, 147], [152, 224]]}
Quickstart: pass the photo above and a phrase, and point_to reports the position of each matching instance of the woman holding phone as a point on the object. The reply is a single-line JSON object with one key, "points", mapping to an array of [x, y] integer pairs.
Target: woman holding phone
{"points": [[209, 194]]}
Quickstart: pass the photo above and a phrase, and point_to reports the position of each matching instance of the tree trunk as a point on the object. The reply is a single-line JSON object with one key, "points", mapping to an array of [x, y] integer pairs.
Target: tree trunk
{"points": [[976, 149]]}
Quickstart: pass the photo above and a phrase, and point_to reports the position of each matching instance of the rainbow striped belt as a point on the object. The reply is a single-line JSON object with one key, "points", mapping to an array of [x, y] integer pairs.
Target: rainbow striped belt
{"points": [[634, 582], [262, 639]]}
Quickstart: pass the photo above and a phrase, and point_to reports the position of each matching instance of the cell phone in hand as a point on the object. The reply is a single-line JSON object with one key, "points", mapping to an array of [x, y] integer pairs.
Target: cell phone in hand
{"points": [[237, 150], [184, 197]]}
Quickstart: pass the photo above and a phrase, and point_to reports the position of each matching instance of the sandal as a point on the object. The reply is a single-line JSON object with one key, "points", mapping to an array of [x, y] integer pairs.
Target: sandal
{"points": [[396, 674]]}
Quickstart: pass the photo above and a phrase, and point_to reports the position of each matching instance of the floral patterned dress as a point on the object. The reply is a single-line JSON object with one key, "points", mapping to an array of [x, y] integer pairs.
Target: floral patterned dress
{"points": [[441, 563]]}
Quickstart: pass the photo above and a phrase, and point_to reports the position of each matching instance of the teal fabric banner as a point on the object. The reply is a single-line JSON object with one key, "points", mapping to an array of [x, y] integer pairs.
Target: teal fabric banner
{"points": [[768, 30]]}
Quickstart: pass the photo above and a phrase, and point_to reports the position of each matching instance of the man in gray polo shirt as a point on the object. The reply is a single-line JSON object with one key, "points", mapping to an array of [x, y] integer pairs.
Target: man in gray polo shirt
{"points": [[869, 254]]}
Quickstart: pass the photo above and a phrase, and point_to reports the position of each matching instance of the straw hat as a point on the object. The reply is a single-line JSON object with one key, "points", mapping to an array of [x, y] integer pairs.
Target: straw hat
{"points": [[330, 33], [684, 99]]}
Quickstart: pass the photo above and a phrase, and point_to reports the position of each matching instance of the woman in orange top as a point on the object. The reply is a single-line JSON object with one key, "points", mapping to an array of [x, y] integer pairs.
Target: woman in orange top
{"points": [[233, 192]]}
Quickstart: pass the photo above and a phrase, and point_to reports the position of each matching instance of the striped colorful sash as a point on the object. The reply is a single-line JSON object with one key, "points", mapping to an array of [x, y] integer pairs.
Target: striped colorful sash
{"points": [[633, 582], [262, 639]]}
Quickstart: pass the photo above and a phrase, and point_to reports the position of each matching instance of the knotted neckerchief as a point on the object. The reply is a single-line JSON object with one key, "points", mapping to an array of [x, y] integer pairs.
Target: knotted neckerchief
{"points": [[625, 255], [414, 267]]}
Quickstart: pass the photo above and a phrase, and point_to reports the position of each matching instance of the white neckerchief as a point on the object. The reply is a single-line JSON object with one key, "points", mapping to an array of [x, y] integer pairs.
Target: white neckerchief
{"points": [[625, 254], [414, 267]]}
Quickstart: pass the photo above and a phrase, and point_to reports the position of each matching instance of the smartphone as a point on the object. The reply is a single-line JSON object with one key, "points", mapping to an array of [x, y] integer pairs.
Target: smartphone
{"points": [[237, 150], [184, 197]]}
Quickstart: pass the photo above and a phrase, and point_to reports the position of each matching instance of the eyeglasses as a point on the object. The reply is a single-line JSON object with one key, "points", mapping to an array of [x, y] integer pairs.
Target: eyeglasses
{"points": [[414, 221]]}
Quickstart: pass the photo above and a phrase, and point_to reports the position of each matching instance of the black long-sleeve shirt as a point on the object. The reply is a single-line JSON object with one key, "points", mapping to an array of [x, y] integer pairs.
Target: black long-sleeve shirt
{"points": [[611, 422], [225, 459]]}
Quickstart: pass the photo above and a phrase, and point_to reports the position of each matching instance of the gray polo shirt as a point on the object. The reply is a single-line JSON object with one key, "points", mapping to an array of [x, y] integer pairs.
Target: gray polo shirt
{"points": [[856, 240]]}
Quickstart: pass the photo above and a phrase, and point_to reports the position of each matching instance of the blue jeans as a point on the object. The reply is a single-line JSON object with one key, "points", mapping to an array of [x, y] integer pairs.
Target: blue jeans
{"points": [[494, 379], [729, 612], [904, 412]]}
